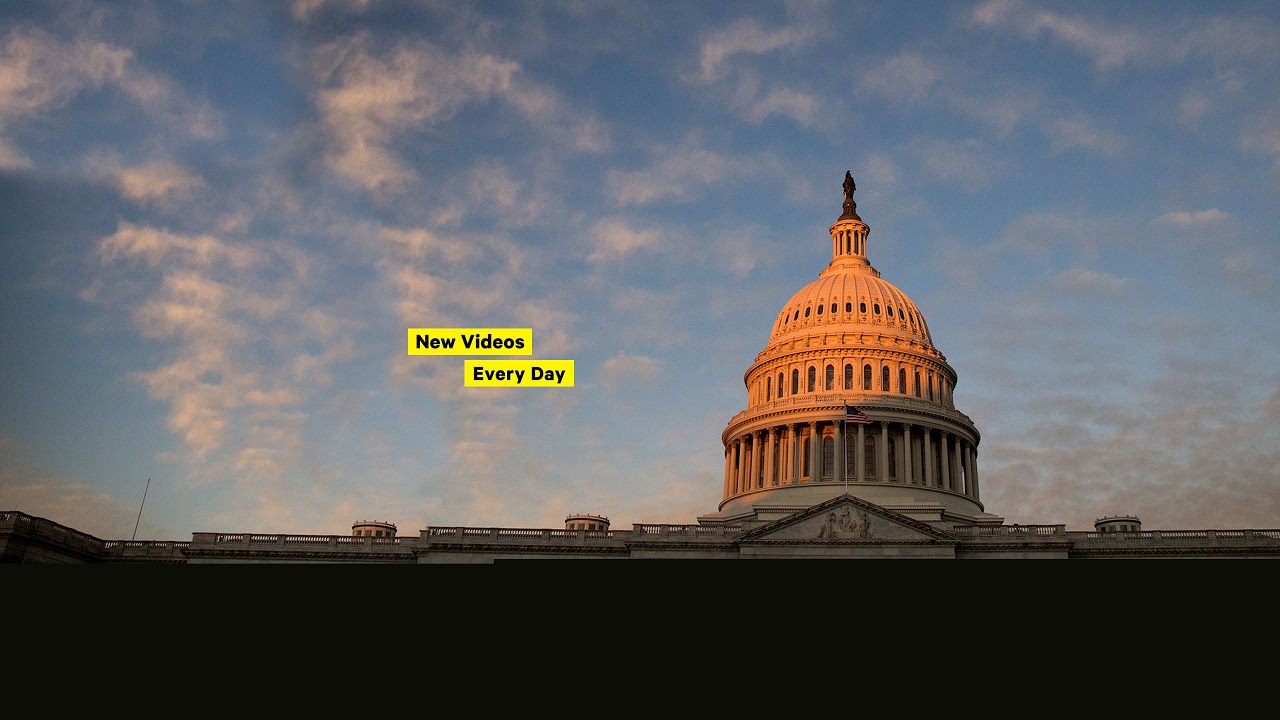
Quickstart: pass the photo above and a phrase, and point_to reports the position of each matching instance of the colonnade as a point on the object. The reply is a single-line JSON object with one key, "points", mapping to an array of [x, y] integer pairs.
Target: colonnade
{"points": [[883, 452]]}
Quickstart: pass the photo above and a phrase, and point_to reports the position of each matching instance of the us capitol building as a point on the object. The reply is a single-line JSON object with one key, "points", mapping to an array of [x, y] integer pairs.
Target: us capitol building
{"points": [[850, 446]]}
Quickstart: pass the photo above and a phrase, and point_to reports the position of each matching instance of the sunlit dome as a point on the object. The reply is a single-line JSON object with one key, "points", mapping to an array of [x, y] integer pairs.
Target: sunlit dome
{"points": [[849, 396]]}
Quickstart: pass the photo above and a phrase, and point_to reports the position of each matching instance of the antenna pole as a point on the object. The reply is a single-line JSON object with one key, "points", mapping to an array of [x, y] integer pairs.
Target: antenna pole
{"points": [[144, 502]]}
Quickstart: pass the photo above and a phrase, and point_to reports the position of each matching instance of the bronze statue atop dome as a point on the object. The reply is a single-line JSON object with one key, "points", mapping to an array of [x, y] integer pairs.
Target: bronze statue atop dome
{"points": [[850, 207]]}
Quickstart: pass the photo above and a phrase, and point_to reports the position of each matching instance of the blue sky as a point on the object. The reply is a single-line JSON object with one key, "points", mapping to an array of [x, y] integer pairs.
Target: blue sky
{"points": [[217, 220]]}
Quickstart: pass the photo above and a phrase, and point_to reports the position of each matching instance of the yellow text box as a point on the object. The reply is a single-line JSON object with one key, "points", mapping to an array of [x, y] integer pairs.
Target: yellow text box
{"points": [[470, 341], [518, 373]]}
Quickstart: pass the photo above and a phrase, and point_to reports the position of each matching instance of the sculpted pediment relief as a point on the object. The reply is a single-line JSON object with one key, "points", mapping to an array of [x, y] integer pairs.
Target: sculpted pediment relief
{"points": [[843, 519]]}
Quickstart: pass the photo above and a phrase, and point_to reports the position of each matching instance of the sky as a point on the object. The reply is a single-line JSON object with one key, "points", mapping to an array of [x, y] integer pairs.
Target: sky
{"points": [[217, 220]]}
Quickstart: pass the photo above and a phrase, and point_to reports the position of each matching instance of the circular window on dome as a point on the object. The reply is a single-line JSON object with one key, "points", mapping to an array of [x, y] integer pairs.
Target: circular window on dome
{"points": [[806, 312], [877, 308], [848, 307], [819, 309]]}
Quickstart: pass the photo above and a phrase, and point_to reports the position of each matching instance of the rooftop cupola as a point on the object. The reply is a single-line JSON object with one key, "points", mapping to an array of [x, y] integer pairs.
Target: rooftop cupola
{"points": [[849, 236]]}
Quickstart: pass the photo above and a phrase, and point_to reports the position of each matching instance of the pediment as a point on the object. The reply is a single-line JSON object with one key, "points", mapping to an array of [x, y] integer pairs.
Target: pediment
{"points": [[843, 519]]}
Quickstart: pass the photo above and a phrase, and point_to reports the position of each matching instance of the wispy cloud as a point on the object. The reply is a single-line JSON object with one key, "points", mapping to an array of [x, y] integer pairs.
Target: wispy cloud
{"points": [[623, 369], [369, 97], [612, 239], [907, 77], [41, 72], [1193, 218]]}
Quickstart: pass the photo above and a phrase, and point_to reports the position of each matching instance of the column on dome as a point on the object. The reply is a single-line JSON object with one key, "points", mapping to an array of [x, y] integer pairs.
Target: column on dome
{"points": [[859, 455], [794, 475], [838, 469], [929, 479], [944, 442], [769, 451], [733, 464], [742, 464], [906, 453], [957, 481], [754, 482], [973, 465], [815, 453], [962, 481], [728, 459], [882, 452]]}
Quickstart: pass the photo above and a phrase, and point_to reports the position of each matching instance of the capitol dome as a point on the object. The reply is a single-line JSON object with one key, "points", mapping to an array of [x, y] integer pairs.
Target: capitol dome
{"points": [[850, 396]]}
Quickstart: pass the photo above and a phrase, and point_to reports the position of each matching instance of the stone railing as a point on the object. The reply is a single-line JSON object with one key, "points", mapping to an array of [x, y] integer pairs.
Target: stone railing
{"points": [[1011, 531], [518, 534], [297, 541], [1178, 535], [649, 531], [20, 523]]}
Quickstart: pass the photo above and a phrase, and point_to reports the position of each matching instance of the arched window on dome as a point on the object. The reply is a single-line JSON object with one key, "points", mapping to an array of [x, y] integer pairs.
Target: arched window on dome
{"points": [[785, 318], [806, 311], [884, 378], [917, 386], [862, 307], [848, 376], [835, 308], [828, 457], [797, 315], [869, 455], [930, 387], [866, 377], [902, 381], [830, 383], [876, 307], [889, 310], [848, 307], [813, 376], [820, 309], [768, 389], [795, 383], [780, 380]]}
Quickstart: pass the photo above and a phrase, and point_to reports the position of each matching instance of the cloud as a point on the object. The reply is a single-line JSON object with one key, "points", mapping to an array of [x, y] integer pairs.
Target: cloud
{"points": [[740, 87], [745, 37], [623, 369], [1109, 48], [967, 162], [905, 77], [304, 9], [1222, 40], [801, 107], [41, 72], [369, 98], [154, 246], [1082, 132], [679, 173], [1089, 282], [1193, 218], [614, 239], [159, 183]]}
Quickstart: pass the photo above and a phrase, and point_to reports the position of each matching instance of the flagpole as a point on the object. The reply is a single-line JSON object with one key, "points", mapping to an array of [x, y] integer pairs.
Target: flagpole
{"points": [[144, 502]]}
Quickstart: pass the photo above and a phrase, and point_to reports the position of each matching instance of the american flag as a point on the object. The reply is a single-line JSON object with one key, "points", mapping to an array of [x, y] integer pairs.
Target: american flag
{"points": [[855, 416]]}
